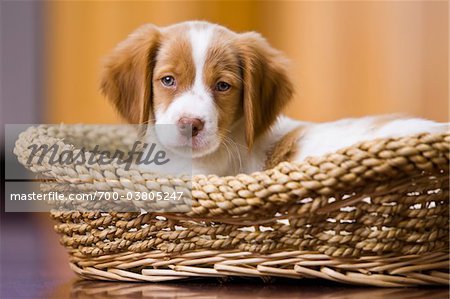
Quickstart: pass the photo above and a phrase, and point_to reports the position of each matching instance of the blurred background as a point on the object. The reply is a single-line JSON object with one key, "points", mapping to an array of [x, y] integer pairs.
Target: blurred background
{"points": [[347, 59]]}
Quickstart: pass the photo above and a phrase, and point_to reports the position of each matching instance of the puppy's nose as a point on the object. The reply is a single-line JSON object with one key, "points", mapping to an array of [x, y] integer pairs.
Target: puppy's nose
{"points": [[194, 123]]}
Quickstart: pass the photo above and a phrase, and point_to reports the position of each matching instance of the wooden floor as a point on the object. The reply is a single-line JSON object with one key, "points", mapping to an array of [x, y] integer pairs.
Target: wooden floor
{"points": [[34, 265]]}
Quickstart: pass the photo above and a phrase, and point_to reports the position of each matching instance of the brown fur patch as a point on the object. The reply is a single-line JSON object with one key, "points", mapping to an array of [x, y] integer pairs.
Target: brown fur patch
{"points": [[128, 71], [222, 65], [174, 59], [267, 86], [285, 149]]}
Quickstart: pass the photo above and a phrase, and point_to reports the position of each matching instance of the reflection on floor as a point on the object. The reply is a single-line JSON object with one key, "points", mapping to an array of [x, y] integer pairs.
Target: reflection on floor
{"points": [[240, 289]]}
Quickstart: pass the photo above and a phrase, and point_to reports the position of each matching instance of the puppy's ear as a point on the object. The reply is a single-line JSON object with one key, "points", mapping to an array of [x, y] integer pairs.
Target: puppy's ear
{"points": [[267, 87], [127, 74]]}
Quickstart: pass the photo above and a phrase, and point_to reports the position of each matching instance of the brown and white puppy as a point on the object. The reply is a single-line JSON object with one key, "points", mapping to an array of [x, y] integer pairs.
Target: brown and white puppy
{"points": [[230, 88]]}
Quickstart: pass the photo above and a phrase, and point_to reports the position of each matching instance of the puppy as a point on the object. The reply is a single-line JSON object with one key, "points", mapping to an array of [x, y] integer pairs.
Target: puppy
{"points": [[230, 89]]}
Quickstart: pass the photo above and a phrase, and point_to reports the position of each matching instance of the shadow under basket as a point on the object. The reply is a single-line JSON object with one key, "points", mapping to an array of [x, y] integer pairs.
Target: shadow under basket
{"points": [[373, 214]]}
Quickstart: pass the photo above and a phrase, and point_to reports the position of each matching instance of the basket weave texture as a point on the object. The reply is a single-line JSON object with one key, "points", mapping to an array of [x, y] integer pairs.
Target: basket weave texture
{"points": [[375, 213]]}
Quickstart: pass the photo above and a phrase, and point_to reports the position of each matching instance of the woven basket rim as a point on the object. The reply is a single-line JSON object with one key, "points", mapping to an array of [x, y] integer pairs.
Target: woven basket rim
{"points": [[51, 138]]}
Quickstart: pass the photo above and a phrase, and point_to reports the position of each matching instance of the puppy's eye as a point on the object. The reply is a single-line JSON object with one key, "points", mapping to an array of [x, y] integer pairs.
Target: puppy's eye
{"points": [[168, 81], [222, 86]]}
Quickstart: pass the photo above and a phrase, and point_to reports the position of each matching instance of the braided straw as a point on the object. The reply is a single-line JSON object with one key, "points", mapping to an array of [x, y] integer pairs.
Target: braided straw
{"points": [[375, 213]]}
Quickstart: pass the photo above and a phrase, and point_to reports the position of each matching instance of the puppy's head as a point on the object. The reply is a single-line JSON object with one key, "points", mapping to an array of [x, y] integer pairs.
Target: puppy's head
{"points": [[201, 76]]}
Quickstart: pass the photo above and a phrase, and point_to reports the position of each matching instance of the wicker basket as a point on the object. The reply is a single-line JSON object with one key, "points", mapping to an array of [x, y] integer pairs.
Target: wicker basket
{"points": [[375, 214]]}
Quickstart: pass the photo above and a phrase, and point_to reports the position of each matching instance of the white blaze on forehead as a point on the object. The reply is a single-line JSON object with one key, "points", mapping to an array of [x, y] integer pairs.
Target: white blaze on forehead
{"points": [[200, 38]]}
